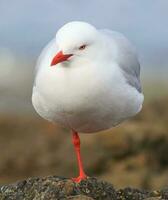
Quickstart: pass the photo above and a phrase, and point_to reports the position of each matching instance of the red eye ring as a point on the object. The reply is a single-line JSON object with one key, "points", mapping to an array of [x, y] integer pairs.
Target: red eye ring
{"points": [[82, 47]]}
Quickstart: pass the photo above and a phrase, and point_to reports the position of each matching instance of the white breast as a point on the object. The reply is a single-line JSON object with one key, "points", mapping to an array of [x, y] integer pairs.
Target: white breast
{"points": [[85, 100]]}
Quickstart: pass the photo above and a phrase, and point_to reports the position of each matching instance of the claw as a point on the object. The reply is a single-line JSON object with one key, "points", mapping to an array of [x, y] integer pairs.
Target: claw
{"points": [[79, 179]]}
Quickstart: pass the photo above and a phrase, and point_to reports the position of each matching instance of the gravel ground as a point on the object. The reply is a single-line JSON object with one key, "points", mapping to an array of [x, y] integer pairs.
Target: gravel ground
{"points": [[54, 187]]}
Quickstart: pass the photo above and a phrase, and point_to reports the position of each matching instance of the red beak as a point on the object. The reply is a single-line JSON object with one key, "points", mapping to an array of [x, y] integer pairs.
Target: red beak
{"points": [[60, 57]]}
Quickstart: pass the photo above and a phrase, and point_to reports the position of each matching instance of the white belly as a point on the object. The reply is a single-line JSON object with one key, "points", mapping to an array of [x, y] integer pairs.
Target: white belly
{"points": [[85, 101]]}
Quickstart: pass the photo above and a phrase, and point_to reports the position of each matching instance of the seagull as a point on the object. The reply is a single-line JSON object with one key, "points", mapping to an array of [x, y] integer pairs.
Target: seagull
{"points": [[87, 80]]}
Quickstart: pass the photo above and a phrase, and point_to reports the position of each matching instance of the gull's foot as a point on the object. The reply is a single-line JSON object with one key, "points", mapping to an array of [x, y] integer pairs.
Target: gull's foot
{"points": [[79, 179]]}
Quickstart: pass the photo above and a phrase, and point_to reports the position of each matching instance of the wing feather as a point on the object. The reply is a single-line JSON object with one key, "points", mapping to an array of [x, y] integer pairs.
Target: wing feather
{"points": [[126, 58]]}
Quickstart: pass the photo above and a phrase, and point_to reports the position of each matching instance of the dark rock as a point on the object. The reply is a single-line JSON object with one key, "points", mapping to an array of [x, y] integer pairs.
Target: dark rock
{"points": [[58, 188]]}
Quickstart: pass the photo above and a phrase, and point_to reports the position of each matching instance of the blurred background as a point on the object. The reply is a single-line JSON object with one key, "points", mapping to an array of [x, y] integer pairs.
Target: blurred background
{"points": [[133, 154]]}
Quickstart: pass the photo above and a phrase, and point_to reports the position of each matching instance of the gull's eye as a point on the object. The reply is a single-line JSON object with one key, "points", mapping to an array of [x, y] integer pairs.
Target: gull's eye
{"points": [[82, 47]]}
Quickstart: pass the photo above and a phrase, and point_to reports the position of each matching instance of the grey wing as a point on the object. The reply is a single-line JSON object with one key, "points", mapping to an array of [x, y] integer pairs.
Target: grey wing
{"points": [[132, 76], [126, 58]]}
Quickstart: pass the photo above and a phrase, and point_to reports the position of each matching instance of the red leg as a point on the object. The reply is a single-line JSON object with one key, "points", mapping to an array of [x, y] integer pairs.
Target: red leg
{"points": [[76, 142]]}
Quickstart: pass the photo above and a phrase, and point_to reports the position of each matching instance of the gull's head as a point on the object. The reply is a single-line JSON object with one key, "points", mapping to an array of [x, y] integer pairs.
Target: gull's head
{"points": [[75, 40]]}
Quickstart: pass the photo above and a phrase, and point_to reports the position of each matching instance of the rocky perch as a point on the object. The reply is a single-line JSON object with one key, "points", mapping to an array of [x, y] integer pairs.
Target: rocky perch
{"points": [[54, 187]]}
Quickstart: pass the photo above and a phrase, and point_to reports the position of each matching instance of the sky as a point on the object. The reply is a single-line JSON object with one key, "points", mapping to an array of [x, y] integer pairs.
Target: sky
{"points": [[27, 26]]}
